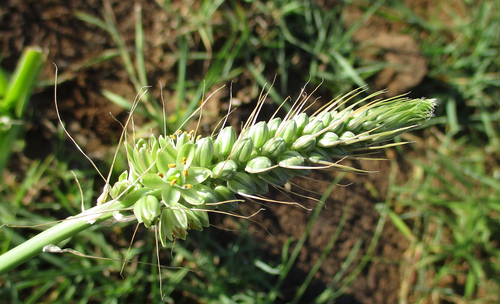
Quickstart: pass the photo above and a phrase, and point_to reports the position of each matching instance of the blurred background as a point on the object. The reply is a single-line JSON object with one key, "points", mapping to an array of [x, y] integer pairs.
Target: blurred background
{"points": [[424, 228]]}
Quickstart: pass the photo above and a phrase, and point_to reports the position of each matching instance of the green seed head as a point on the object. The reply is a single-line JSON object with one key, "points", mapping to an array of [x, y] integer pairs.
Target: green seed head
{"points": [[188, 177]]}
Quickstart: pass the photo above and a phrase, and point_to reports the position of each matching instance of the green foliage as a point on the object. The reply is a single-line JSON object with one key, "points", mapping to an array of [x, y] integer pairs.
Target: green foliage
{"points": [[14, 96]]}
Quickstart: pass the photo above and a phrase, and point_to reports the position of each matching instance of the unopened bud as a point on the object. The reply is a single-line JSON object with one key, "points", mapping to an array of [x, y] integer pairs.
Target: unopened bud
{"points": [[204, 152], [258, 164], [147, 210], [274, 147], [225, 170], [225, 141], [259, 134], [290, 159], [243, 150]]}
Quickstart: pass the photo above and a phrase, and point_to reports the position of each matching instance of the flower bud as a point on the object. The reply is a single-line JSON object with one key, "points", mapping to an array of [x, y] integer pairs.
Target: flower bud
{"points": [[302, 120], [242, 184], [153, 142], [344, 113], [259, 134], [197, 219], [225, 141], [147, 210], [370, 125], [346, 136], [318, 155], [223, 195], [225, 170], [182, 138], [163, 141], [141, 143], [148, 156], [196, 175], [304, 143], [202, 217], [258, 164], [173, 223], [290, 159], [336, 126], [204, 152], [120, 186], [325, 117], [136, 163], [288, 131], [243, 150], [356, 123], [273, 126], [328, 139], [313, 127], [274, 147]]}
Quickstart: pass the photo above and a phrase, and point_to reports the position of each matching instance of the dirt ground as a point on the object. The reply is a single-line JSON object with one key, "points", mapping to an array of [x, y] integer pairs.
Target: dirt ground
{"points": [[71, 42]]}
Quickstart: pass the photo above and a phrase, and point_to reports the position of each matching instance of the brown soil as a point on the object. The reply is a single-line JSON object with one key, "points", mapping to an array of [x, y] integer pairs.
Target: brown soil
{"points": [[71, 43]]}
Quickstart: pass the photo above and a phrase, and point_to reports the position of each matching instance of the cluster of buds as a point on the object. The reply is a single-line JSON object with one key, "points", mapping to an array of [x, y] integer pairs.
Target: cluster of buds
{"points": [[176, 180]]}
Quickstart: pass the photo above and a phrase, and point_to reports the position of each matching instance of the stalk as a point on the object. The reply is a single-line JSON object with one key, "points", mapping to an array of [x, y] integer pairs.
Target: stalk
{"points": [[58, 233], [174, 181]]}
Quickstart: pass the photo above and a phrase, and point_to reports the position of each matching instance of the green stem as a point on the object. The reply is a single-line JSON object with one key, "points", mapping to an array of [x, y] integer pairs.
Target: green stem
{"points": [[56, 234]]}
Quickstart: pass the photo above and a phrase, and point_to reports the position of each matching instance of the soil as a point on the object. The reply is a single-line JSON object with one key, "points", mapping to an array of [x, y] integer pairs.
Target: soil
{"points": [[71, 43]]}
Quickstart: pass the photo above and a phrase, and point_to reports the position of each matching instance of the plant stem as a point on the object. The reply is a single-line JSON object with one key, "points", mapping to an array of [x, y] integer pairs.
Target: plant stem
{"points": [[56, 234]]}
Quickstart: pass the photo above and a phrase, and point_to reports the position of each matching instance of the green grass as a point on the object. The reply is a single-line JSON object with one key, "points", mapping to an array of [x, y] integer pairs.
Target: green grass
{"points": [[451, 203], [15, 93], [448, 209]]}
